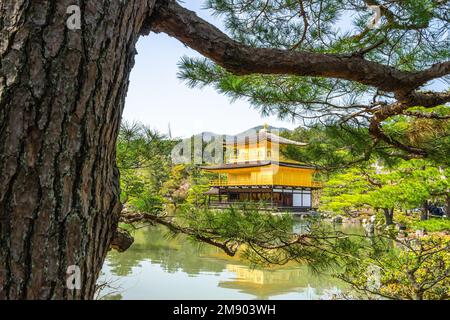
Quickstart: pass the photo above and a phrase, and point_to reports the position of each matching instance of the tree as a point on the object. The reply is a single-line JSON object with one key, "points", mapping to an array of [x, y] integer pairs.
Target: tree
{"points": [[361, 187], [61, 99], [380, 266], [358, 77], [62, 94], [143, 158], [404, 185], [417, 269]]}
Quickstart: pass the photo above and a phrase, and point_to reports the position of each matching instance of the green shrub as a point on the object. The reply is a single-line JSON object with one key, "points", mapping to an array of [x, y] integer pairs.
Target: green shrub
{"points": [[432, 225]]}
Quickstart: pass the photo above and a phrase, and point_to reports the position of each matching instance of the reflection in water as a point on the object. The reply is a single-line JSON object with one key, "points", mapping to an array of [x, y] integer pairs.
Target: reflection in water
{"points": [[162, 267], [264, 284]]}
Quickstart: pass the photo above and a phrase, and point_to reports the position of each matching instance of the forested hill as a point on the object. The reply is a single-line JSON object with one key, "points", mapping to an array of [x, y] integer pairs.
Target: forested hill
{"points": [[208, 135]]}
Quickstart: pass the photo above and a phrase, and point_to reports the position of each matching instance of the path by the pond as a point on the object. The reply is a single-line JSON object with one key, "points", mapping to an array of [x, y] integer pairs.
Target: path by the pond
{"points": [[161, 267]]}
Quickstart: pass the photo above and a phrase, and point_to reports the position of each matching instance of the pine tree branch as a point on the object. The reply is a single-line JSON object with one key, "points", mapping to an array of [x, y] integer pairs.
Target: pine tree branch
{"points": [[186, 26], [375, 128]]}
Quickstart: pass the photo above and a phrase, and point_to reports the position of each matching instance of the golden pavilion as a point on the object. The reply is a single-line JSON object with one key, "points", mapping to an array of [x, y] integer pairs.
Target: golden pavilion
{"points": [[255, 170]]}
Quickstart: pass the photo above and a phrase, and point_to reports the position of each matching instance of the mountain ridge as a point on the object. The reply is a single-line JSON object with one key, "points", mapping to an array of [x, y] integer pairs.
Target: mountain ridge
{"points": [[207, 135]]}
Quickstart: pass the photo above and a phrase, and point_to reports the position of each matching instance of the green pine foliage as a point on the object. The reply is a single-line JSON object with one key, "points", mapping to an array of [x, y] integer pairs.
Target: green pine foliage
{"points": [[153, 185], [150, 182], [411, 35]]}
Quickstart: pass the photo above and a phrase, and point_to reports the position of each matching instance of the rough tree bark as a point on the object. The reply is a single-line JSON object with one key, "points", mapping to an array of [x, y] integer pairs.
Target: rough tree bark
{"points": [[61, 98]]}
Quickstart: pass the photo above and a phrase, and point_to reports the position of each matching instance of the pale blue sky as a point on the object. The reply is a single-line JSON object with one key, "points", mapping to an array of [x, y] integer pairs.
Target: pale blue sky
{"points": [[156, 96]]}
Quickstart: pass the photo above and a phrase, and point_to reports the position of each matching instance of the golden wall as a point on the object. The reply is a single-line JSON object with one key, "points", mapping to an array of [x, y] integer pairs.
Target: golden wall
{"points": [[254, 152], [270, 175]]}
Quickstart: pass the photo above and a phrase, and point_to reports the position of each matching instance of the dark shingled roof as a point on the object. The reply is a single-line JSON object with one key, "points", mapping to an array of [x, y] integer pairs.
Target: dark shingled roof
{"points": [[263, 135]]}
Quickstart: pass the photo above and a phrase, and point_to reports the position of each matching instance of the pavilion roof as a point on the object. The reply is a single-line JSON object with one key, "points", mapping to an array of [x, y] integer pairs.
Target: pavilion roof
{"points": [[264, 135], [255, 164]]}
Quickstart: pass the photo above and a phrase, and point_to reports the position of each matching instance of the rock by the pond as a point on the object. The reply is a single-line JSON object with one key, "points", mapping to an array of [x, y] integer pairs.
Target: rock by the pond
{"points": [[352, 220], [420, 233], [369, 226], [337, 219], [401, 226], [314, 213]]}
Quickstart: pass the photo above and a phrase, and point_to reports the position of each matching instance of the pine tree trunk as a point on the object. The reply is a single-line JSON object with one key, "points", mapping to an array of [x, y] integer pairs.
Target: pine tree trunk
{"points": [[424, 211], [447, 206], [389, 216], [61, 98]]}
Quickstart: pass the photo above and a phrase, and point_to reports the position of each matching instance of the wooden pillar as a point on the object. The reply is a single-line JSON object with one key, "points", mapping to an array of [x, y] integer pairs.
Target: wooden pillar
{"points": [[282, 198], [271, 198]]}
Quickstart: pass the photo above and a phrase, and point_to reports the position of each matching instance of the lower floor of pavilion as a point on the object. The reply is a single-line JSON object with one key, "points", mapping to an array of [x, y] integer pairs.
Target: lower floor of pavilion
{"points": [[281, 198]]}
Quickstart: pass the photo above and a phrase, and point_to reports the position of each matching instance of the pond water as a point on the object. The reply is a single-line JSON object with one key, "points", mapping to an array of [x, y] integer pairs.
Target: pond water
{"points": [[158, 266]]}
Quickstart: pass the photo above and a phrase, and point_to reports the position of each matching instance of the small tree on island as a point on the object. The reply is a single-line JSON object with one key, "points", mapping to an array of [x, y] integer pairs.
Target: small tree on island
{"points": [[406, 185]]}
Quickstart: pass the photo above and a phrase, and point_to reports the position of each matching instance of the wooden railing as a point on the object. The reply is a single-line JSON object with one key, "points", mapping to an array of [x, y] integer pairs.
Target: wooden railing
{"points": [[245, 159], [242, 182], [253, 182]]}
